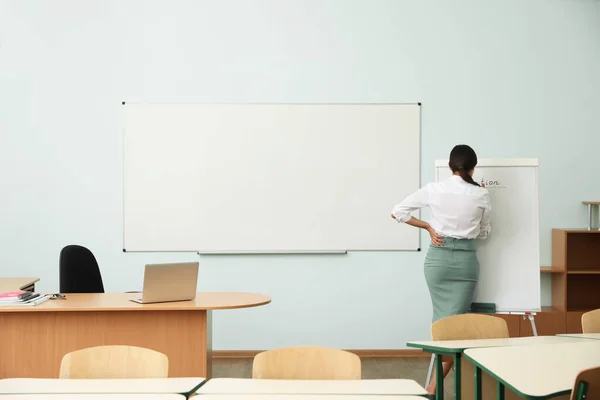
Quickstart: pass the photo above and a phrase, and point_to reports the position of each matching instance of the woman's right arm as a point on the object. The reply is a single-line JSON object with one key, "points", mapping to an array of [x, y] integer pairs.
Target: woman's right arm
{"points": [[415, 201]]}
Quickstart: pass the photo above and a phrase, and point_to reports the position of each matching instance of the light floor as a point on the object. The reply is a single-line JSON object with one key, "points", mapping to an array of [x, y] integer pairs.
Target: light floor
{"points": [[372, 368]]}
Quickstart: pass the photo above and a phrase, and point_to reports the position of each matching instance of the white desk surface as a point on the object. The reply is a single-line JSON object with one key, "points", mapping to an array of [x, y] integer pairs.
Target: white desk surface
{"points": [[302, 397], [105, 396], [458, 346], [275, 386], [540, 370], [581, 335], [118, 386]]}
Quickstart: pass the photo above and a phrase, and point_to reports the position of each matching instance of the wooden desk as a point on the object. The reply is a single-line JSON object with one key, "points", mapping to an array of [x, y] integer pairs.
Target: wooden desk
{"points": [[92, 397], [34, 339], [185, 386], [14, 284], [535, 372], [455, 348], [220, 386], [593, 336]]}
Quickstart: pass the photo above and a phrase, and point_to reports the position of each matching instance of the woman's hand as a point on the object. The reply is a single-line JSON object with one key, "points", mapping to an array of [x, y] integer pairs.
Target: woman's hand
{"points": [[436, 239]]}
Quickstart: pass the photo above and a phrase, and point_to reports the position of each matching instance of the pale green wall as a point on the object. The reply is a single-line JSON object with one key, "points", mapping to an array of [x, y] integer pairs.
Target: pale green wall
{"points": [[513, 78]]}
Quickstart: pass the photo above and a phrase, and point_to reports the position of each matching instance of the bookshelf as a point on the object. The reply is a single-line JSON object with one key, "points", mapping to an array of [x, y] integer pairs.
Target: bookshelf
{"points": [[575, 274]]}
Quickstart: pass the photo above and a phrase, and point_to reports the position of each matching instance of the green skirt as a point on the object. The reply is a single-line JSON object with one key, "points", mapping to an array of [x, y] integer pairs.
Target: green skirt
{"points": [[451, 272]]}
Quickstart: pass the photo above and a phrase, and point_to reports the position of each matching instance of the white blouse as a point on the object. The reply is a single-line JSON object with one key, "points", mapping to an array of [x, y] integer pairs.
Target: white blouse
{"points": [[458, 209]]}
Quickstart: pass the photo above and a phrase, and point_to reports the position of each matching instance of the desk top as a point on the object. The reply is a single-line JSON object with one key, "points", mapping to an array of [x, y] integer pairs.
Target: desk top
{"points": [[14, 284], [538, 371], [581, 335], [118, 386], [458, 346], [122, 302], [114, 396], [362, 387]]}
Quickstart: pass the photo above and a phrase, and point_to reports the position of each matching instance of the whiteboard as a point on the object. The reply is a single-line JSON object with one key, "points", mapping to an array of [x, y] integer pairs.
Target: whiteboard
{"points": [[509, 258], [268, 178]]}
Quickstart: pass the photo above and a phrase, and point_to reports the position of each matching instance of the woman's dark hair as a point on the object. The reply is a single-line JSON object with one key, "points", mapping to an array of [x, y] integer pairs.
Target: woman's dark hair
{"points": [[462, 160]]}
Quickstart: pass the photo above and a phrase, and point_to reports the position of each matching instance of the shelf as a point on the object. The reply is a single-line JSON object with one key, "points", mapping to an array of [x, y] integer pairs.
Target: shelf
{"points": [[549, 309], [582, 291], [580, 230], [551, 270], [584, 272], [575, 273]]}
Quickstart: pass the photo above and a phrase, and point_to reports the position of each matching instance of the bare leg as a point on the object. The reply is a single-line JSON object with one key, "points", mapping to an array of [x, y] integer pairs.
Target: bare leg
{"points": [[446, 367]]}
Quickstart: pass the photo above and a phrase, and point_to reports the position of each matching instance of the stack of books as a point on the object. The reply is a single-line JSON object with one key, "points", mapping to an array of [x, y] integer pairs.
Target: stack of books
{"points": [[21, 298]]}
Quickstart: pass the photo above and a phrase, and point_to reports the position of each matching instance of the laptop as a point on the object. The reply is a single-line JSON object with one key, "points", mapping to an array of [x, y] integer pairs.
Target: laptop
{"points": [[169, 282]]}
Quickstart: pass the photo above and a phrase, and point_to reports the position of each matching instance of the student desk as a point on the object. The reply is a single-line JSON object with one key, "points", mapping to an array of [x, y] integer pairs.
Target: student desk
{"points": [[594, 336], [19, 386], [232, 386], [92, 397], [35, 339], [14, 284], [455, 348], [534, 372]]}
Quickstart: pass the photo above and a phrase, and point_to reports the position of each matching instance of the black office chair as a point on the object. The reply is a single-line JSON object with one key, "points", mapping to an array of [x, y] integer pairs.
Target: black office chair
{"points": [[79, 271]]}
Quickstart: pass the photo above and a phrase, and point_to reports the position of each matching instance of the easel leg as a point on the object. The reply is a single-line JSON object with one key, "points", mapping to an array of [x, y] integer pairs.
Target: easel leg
{"points": [[533, 328], [430, 371]]}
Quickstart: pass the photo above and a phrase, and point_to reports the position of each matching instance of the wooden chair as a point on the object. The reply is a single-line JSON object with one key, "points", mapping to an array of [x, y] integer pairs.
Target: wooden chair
{"points": [[590, 321], [306, 362], [587, 385], [114, 362], [469, 327]]}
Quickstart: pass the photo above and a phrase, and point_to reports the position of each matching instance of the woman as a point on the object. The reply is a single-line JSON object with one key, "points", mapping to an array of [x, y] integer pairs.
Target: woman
{"points": [[460, 213]]}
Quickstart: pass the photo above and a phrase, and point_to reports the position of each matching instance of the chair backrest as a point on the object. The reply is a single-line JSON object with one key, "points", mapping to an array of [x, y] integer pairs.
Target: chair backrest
{"points": [[306, 362], [590, 321], [114, 362], [79, 271], [469, 326], [472, 326], [587, 383]]}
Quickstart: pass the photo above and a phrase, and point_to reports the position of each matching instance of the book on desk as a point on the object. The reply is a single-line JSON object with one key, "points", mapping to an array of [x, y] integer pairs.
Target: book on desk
{"points": [[21, 298]]}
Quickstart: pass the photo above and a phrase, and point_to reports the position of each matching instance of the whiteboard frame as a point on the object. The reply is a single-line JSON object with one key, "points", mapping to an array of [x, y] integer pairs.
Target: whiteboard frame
{"points": [[274, 252], [508, 162], [497, 162]]}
